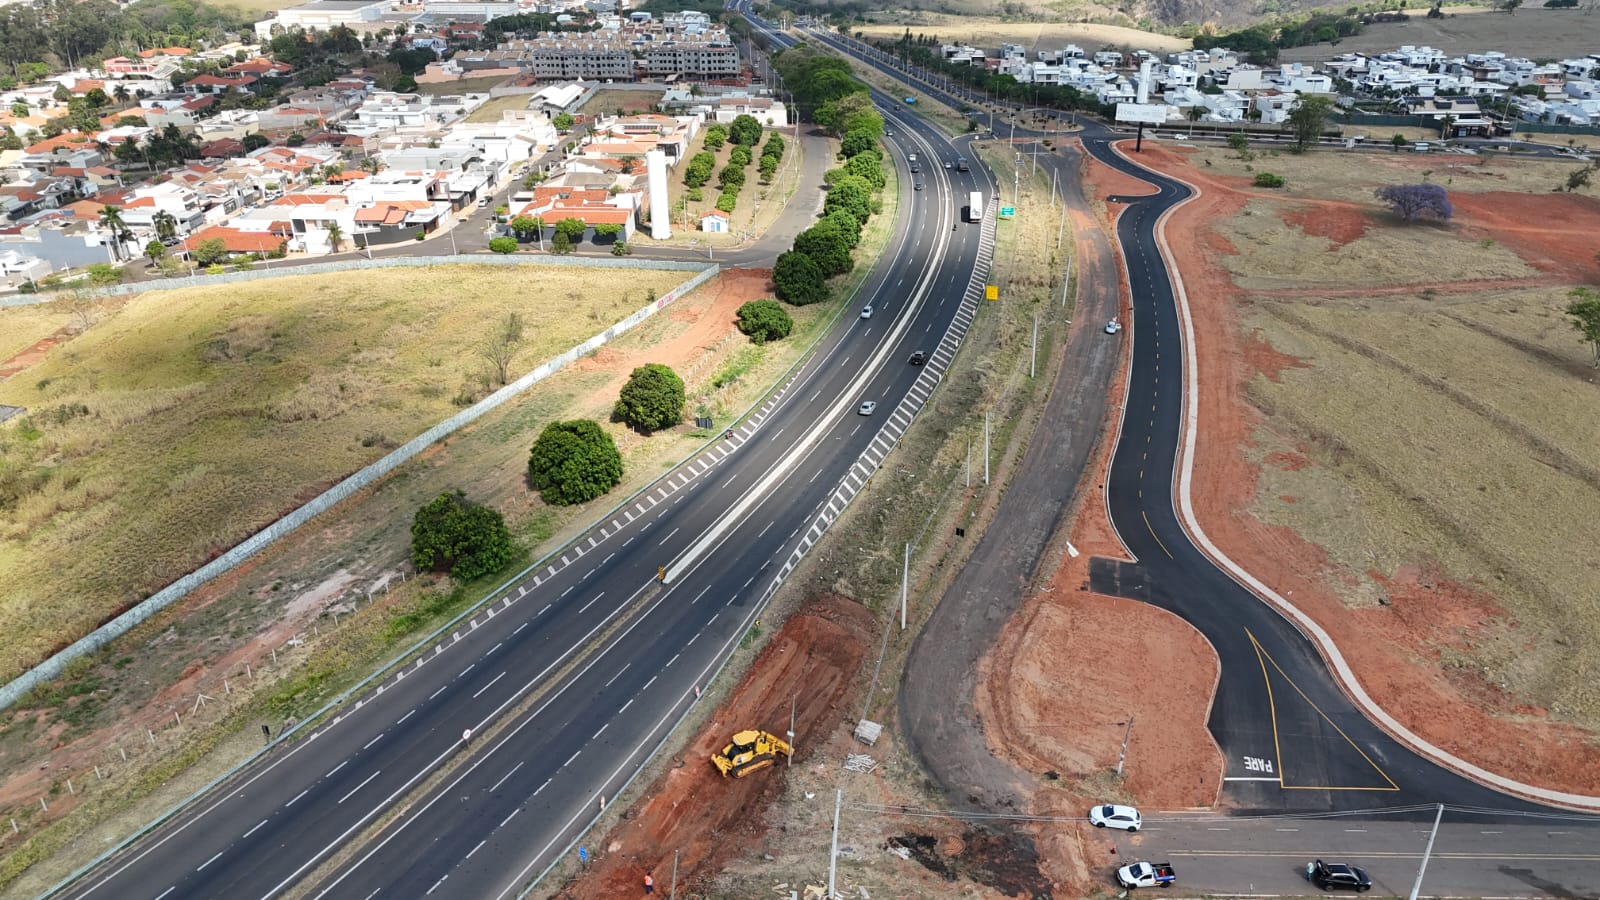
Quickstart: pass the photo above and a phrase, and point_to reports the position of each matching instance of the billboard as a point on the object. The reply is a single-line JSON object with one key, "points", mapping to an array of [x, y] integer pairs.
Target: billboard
{"points": [[1142, 113]]}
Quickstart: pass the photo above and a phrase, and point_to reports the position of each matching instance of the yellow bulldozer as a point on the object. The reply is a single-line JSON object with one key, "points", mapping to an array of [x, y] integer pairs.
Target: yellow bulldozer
{"points": [[750, 751]]}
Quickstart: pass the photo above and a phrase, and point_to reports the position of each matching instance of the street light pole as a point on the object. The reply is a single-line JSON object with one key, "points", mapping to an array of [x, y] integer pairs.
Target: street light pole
{"points": [[905, 576], [833, 851], [1417, 886]]}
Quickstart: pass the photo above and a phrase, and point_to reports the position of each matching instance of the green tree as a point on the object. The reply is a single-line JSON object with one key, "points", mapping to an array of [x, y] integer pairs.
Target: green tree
{"points": [[826, 246], [155, 250], [858, 141], [573, 462], [1269, 180], [255, 141], [745, 131], [503, 244], [563, 122], [335, 236], [716, 136], [798, 279], [768, 169], [848, 225], [112, 217], [102, 274], [850, 194], [700, 169], [1398, 142], [210, 252], [652, 399], [1307, 120], [455, 535], [731, 176], [740, 156], [764, 320], [1238, 143], [1584, 311], [868, 166], [572, 229], [525, 227], [166, 225], [561, 245]]}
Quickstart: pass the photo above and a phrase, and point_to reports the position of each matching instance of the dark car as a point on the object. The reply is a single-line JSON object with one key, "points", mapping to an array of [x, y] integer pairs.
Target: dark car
{"points": [[918, 358], [1338, 876]]}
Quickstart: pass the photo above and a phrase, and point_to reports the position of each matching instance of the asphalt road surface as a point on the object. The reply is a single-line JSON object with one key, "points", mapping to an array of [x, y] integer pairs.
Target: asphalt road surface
{"points": [[574, 674], [1291, 739]]}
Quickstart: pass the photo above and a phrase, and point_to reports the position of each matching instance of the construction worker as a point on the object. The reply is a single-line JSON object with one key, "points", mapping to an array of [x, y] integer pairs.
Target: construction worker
{"points": [[649, 884]]}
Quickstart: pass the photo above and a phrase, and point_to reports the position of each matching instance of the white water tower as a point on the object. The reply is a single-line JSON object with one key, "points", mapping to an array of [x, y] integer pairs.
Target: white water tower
{"points": [[655, 167]]}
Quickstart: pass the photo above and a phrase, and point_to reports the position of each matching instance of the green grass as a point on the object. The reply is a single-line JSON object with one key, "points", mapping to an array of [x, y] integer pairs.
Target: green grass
{"points": [[190, 418]]}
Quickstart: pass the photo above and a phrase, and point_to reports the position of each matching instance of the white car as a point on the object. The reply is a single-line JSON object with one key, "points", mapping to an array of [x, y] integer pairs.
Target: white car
{"points": [[866, 311], [868, 408], [1113, 326], [1113, 816]]}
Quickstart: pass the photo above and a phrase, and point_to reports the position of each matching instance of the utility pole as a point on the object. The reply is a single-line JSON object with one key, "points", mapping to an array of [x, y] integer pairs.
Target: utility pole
{"points": [[969, 463], [1124, 754], [985, 447], [833, 852], [1416, 887], [673, 894], [1033, 359], [905, 576], [792, 701]]}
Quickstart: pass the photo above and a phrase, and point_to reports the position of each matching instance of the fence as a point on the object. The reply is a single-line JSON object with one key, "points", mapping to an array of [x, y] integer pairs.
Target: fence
{"points": [[94, 641], [346, 265]]}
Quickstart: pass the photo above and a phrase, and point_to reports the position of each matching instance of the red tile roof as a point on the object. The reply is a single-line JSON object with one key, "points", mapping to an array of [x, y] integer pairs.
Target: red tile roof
{"points": [[237, 241], [154, 52]]}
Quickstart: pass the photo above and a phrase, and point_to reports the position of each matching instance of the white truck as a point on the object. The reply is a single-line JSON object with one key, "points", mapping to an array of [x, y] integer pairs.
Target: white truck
{"points": [[975, 206], [1146, 874]]}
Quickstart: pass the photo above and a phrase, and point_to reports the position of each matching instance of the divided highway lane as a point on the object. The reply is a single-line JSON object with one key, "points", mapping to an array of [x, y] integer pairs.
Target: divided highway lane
{"points": [[270, 825], [506, 819]]}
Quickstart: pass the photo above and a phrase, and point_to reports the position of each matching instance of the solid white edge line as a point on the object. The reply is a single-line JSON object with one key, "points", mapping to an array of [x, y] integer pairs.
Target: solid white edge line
{"points": [[1344, 675]]}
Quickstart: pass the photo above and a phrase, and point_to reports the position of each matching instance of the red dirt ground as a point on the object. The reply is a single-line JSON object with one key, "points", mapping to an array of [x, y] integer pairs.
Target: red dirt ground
{"points": [[35, 353], [691, 808], [1340, 223], [1470, 719], [1030, 721]]}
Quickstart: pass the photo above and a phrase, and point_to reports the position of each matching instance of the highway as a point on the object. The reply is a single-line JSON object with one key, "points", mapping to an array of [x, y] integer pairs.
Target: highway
{"points": [[574, 674], [1291, 738]]}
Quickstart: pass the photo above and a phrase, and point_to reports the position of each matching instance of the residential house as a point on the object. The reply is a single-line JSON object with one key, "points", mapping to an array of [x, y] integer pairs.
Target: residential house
{"points": [[715, 222], [206, 83], [769, 112], [61, 243]]}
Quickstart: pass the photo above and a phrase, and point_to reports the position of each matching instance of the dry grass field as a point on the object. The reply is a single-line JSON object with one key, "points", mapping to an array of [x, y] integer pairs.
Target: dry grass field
{"points": [[491, 110], [990, 32], [187, 419], [23, 326], [607, 101], [1427, 414], [1533, 32], [1461, 430], [463, 86]]}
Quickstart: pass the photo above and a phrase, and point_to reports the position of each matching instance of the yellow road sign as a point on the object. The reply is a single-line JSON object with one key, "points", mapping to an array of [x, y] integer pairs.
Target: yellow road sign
{"points": [[991, 292]]}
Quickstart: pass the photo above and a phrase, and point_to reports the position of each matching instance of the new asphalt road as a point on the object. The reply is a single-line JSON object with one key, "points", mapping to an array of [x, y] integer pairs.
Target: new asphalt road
{"points": [[576, 671], [1290, 737]]}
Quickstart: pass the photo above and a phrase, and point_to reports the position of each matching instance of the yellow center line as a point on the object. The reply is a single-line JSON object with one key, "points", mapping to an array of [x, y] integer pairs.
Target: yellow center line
{"points": [[1152, 530]]}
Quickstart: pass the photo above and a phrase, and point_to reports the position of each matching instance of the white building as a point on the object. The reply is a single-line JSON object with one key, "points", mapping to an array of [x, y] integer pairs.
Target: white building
{"points": [[323, 15]]}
